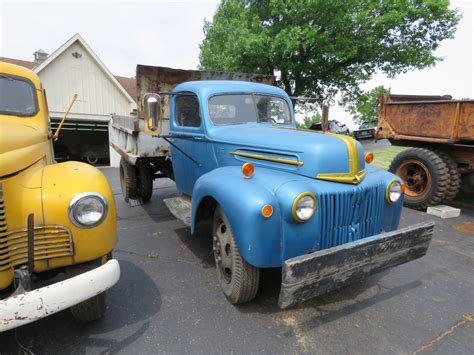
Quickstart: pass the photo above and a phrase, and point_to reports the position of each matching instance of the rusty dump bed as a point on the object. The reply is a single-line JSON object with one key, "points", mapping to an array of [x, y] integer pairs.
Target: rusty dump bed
{"points": [[162, 79], [127, 134], [435, 119]]}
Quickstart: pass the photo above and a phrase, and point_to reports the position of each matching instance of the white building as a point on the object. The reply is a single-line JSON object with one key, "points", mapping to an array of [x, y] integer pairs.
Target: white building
{"points": [[75, 69]]}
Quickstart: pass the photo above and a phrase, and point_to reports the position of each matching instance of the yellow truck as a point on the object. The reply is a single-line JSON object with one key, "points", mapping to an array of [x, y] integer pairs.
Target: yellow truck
{"points": [[57, 221]]}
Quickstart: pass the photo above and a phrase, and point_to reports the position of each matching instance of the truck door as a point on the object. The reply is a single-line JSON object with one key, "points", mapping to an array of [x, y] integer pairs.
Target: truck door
{"points": [[192, 155]]}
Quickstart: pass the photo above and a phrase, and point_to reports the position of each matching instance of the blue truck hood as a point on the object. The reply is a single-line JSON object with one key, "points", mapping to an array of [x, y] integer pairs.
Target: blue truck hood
{"points": [[309, 153]]}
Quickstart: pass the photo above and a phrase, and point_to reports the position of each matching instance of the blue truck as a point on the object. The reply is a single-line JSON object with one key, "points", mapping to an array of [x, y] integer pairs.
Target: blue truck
{"points": [[278, 196]]}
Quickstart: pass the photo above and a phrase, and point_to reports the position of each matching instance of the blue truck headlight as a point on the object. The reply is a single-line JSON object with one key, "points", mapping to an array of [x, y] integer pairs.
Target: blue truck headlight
{"points": [[87, 209], [304, 206], [394, 191]]}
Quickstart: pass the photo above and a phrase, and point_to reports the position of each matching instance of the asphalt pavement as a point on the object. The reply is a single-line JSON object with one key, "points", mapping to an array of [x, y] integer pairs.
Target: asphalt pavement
{"points": [[168, 299]]}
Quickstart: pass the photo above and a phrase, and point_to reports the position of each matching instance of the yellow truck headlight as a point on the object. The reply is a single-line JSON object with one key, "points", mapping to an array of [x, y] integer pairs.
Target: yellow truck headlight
{"points": [[304, 206], [394, 191], [87, 209]]}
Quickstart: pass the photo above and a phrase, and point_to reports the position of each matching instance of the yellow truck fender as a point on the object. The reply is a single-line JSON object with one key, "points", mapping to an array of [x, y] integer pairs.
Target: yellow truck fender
{"points": [[61, 183]]}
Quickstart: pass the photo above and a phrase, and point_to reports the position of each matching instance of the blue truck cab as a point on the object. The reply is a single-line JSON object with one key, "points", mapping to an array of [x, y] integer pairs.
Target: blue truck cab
{"points": [[279, 196]]}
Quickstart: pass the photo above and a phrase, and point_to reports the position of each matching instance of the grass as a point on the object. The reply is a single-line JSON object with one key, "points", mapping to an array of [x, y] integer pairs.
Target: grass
{"points": [[384, 156]]}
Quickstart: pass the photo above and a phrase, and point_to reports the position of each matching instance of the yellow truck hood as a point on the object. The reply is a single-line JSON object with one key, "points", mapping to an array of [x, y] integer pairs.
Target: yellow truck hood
{"points": [[20, 146]]}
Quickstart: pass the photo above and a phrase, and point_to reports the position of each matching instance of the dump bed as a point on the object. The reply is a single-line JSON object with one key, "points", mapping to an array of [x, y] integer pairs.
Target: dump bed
{"points": [[127, 133], [437, 119]]}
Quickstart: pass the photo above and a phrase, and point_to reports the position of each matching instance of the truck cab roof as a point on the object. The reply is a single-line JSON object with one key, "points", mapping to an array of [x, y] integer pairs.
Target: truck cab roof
{"points": [[19, 71], [206, 88]]}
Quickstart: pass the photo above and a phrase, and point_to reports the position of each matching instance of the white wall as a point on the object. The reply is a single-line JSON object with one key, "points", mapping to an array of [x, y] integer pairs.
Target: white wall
{"points": [[98, 95]]}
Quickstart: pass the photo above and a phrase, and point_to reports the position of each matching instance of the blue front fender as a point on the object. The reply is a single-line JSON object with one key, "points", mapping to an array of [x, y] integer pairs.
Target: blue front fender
{"points": [[267, 242], [258, 238]]}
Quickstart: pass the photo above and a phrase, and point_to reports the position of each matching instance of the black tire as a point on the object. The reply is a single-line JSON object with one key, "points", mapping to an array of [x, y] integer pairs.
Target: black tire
{"points": [[128, 180], [425, 175], [145, 181], [454, 183], [238, 279], [93, 308], [467, 184], [92, 158]]}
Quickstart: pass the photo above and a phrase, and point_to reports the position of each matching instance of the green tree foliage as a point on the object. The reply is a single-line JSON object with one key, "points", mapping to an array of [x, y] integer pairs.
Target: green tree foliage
{"points": [[364, 105], [318, 47], [309, 121]]}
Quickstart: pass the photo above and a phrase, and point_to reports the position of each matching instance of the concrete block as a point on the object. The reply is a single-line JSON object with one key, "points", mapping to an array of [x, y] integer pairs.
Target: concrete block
{"points": [[443, 211]]}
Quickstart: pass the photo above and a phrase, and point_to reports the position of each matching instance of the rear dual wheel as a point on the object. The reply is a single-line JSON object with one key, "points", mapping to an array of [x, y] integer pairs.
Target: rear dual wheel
{"points": [[128, 180], [145, 181], [454, 183], [136, 181]]}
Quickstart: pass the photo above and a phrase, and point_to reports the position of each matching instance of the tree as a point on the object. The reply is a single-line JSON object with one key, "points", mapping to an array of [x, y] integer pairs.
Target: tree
{"points": [[318, 47], [364, 106], [309, 121]]}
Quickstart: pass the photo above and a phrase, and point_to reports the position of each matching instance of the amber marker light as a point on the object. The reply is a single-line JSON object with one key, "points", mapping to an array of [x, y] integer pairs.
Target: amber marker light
{"points": [[369, 157], [267, 211], [248, 169]]}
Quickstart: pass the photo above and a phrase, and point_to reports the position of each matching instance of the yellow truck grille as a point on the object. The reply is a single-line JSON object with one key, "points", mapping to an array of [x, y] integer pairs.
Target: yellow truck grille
{"points": [[49, 242], [3, 217]]}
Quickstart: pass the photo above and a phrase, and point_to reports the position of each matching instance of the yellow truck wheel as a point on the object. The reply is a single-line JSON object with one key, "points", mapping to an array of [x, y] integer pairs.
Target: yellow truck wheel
{"points": [[93, 308]]}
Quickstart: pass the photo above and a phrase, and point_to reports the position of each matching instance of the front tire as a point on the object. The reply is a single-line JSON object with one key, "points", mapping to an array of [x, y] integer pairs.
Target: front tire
{"points": [[425, 175], [93, 308], [238, 279]]}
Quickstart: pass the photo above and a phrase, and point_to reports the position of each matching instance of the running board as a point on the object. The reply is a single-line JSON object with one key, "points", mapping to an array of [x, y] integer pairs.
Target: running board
{"points": [[180, 207]]}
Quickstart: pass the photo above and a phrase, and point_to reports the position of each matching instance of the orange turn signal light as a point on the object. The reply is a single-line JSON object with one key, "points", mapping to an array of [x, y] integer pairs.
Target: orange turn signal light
{"points": [[267, 211], [404, 187], [369, 157], [248, 169]]}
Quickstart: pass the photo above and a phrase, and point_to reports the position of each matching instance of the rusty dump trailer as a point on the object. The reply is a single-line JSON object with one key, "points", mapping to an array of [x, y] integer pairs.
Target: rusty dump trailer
{"points": [[440, 132], [144, 156]]}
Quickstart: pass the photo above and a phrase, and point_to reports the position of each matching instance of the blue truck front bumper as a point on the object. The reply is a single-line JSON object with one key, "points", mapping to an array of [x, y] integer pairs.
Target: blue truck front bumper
{"points": [[314, 274]]}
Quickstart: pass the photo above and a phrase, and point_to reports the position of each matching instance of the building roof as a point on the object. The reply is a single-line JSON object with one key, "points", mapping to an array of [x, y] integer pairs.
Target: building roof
{"points": [[23, 63], [127, 85]]}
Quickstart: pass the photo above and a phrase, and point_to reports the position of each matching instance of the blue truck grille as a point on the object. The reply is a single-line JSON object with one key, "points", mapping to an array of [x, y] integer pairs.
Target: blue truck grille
{"points": [[346, 217]]}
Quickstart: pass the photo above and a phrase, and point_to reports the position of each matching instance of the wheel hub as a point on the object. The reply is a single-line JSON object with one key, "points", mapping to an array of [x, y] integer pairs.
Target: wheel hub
{"points": [[223, 251], [416, 177]]}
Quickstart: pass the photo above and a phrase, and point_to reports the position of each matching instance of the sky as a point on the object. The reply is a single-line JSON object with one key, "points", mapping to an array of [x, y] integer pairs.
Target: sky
{"points": [[168, 33]]}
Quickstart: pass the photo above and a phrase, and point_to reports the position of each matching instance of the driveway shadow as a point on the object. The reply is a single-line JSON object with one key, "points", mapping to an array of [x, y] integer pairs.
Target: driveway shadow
{"points": [[130, 306], [199, 244], [331, 306]]}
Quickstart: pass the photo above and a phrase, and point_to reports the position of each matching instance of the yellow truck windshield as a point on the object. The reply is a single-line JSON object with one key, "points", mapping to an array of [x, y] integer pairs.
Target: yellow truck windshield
{"points": [[17, 96]]}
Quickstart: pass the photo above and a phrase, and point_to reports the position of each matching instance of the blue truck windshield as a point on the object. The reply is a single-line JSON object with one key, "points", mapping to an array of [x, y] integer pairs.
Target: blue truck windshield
{"points": [[233, 109], [17, 96]]}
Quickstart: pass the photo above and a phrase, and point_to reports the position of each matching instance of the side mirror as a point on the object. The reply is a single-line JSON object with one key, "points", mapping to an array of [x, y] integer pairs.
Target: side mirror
{"points": [[152, 107]]}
